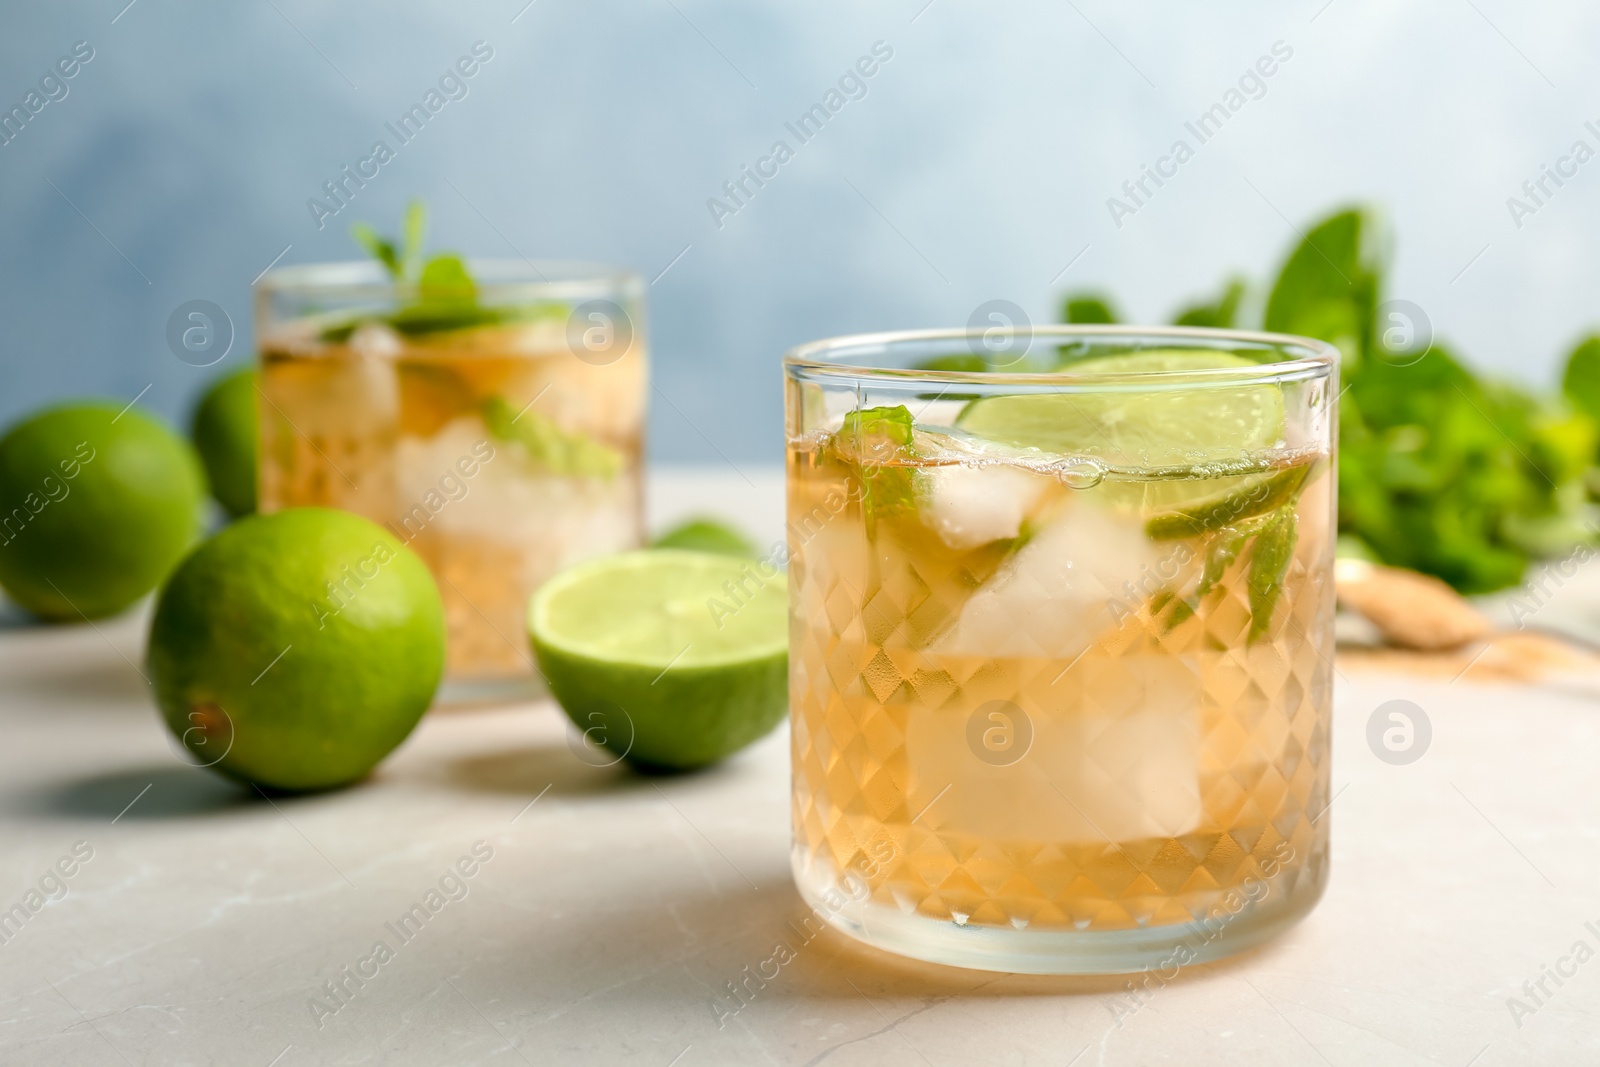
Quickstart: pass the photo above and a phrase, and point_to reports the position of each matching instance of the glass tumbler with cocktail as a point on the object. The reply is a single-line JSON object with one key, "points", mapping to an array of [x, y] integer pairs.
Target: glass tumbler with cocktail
{"points": [[490, 414], [1061, 640]]}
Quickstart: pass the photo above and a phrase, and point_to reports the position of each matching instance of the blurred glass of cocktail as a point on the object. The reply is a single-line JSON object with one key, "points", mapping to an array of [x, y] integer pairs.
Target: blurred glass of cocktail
{"points": [[489, 413]]}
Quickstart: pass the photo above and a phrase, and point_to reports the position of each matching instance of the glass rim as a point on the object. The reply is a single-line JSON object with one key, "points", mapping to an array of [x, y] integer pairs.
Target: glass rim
{"points": [[495, 278], [1308, 358]]}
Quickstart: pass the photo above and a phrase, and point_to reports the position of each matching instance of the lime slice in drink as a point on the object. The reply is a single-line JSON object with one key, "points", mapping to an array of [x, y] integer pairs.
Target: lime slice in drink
{"points": [[668, 658], [1191, 423]]}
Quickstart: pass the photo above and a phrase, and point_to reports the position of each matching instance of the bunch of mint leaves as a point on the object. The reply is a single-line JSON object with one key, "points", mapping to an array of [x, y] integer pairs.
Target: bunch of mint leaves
{"points": [[1440, 470]]}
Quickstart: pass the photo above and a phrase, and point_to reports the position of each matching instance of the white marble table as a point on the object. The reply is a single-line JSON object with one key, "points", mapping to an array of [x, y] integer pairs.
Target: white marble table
{"points": [[614, 908]]}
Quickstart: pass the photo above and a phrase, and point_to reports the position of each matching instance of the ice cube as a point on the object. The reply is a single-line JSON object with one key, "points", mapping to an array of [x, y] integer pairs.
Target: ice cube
{"points": [[327, 433], [1123, 747], [1114, 731], [1113, 755], [970, 506], [1079, 575], [375, 340], [555, 520]]}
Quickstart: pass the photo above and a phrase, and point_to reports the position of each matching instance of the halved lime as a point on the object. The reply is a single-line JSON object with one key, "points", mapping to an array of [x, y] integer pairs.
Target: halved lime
{"points": [[669, 658], [1139, 423]]}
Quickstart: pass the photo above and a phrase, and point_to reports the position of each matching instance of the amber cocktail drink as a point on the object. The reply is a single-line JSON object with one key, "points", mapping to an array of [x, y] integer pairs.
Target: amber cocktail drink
{"points": [[496, 432], [1061, 642]]}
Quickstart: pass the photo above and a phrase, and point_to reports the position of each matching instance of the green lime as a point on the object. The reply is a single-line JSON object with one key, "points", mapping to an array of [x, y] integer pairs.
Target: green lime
{"points": [[98, 501], [669, 658], [706, 535], [295, 650], [224, 432], [1139, 423]]}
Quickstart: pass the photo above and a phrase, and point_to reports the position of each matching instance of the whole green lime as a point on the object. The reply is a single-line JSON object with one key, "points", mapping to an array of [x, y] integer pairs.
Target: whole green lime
{"points": [[669, 658], [224, 431], [98, 501], [295, 650]]}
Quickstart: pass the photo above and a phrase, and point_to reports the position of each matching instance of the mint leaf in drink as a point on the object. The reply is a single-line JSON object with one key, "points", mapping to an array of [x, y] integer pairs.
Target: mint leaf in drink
{"points": [[882, 429], [439, 316], [872, 443], [1224, 548], [444, 279], [1271, 551], [1259, 494], [447, 299], [420, 318], [544, 444], [446, 295], [1220, 556], [1269, 562]]}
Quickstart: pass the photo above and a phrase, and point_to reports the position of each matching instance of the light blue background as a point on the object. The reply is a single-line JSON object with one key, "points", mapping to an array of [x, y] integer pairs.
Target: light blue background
{"points": [[977, 167]]}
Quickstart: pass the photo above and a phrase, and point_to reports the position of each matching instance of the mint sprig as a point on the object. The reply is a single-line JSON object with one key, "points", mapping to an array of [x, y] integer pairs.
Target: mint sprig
{"points": [[1225, 546], [1269, 563], [868, 443], [446, 295], [404, 263]]}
